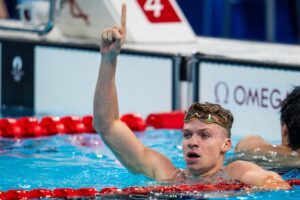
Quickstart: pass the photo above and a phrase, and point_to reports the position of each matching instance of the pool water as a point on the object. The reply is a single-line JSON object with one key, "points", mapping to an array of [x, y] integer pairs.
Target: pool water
{"points": [[83, 161]]}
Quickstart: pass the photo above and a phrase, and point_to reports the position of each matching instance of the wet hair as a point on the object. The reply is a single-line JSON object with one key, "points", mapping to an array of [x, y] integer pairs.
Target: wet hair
{"points": [[290, 115], [210, 113]]}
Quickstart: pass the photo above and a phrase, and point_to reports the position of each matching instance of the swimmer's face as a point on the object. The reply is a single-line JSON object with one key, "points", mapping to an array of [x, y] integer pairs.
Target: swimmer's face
{"points": [[204, 146]]}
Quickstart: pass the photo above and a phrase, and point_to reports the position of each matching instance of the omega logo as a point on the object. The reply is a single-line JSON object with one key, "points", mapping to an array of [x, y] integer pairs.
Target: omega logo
{"points": [[220, 88], [17, 65], [241, 95]]}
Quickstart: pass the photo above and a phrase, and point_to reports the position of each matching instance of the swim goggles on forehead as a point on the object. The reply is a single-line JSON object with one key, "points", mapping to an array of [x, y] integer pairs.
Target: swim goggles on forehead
{"points": [[205, 118]]}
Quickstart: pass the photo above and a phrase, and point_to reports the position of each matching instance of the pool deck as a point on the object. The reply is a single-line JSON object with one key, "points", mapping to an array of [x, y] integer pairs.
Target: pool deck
{"points": [[212, 47]]}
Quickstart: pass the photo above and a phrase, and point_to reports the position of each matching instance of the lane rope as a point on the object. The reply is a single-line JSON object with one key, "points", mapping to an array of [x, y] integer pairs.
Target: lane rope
{"points": [[27, 127], [92, 192]]}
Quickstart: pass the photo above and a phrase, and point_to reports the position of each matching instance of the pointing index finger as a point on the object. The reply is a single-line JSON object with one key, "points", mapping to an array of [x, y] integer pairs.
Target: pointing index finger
{"points": [[123, 17]]}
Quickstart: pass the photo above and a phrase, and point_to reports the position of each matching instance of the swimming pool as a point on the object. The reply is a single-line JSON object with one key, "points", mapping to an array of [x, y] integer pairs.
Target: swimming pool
{"points": [[83, 161]]}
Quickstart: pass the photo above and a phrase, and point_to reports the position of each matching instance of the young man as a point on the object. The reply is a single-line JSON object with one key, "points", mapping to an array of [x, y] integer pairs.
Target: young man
{"points": [[290, 131], [206, 131]]}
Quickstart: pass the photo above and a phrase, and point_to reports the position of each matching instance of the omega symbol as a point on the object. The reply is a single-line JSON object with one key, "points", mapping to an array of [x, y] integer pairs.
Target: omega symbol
{"points": [[221, 89]]}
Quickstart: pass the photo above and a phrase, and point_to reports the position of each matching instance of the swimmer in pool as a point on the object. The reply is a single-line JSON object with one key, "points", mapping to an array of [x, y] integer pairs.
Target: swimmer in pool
{"points": [[290, 133], [206, 131]]}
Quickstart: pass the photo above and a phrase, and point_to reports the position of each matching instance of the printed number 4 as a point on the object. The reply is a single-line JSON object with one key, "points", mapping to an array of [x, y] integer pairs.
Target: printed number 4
{"points": [[154, 5]]}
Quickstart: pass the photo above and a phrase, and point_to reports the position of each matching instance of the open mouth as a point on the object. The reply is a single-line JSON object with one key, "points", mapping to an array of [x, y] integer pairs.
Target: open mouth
{"points": [[193, 155]]}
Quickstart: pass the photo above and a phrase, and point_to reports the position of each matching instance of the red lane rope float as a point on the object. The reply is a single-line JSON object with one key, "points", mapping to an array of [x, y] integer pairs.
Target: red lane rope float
{"points": [[2, 195], [134, 121], [168, 120], [52, 125], [31, 127], [40, 193], [9, 128], [88, 122], [92, 192], [73, 124]]}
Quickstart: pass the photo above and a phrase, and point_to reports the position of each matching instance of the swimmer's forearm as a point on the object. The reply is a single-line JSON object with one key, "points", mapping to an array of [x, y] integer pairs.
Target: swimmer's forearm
{"points": [[274, 182], [106, 109], [105, 99], [107, 70], [252, 174]]}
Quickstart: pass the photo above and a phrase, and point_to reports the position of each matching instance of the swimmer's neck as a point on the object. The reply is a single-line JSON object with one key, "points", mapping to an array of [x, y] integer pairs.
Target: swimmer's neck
{"points": [[204, 172]]}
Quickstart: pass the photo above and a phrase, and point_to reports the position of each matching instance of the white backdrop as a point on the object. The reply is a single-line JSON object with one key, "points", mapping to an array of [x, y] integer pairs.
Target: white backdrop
{"points": [[253, 95], [65, 80]]}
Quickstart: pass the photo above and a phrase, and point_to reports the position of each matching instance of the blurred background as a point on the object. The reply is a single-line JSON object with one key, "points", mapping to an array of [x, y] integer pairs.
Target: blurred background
{"points": [[258, 20]]}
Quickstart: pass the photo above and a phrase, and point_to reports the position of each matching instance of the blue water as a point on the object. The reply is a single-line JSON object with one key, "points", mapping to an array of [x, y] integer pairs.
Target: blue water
{"points": [[79, 161]]}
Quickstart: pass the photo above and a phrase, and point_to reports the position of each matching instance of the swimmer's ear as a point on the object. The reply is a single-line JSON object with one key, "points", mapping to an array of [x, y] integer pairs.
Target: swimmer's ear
{"points": [[284, 134], [227, 145]]}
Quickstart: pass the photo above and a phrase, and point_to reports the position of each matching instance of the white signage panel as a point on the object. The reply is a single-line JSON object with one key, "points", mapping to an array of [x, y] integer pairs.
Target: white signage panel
{"points": [[65, 80], [253, 94], [148, 21]]}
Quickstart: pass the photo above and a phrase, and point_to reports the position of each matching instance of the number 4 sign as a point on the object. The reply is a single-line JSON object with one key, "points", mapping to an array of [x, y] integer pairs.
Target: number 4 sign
{"points": [[148, 21], [159, 11]]}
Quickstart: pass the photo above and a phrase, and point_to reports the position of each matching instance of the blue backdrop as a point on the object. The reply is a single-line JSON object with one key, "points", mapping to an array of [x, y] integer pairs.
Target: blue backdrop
{"points": [[243, 19]]}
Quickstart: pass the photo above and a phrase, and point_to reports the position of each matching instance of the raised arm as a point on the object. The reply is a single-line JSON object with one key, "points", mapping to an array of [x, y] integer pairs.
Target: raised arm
{"points": [[252, 174], [119, 138]]}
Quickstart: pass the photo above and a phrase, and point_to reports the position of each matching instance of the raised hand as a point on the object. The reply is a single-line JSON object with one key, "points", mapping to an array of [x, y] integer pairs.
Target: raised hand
{"points": [[113, 38]]}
